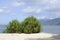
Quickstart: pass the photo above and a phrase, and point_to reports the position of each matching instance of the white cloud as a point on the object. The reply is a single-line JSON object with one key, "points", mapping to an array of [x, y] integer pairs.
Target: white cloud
{"points": [[5, 7], [38, 10], [53, 1], [51, 18], [49, 1], [41, 17], [16, 4], [4, 11], [7, 11], [1, 10], [30, 9]]}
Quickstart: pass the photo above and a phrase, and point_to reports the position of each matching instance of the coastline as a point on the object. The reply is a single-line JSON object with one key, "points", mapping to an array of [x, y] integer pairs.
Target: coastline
{"points": [[16, 36]]}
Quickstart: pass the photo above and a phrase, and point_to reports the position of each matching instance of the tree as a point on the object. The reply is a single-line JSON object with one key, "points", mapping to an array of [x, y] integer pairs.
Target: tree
{"points": [[13, 27], [31, 25]]}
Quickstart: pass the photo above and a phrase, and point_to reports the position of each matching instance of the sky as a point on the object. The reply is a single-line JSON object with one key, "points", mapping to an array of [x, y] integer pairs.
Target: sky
{"points": [[20, 9]]}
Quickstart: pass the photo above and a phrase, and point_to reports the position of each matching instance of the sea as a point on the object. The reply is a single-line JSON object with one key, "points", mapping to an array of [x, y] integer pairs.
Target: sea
{"points": [[54, 29]]}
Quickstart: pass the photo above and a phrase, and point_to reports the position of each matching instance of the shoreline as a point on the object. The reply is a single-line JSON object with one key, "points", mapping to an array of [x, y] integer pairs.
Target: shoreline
{"points": [[16, 36]]}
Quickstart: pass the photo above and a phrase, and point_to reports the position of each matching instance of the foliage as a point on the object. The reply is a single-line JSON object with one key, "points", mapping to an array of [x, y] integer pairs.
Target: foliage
{"points": [[13, 27], [31, 25]]}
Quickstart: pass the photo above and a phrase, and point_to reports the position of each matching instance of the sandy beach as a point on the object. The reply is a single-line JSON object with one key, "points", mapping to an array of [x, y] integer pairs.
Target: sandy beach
{"points": [[5, 36]]}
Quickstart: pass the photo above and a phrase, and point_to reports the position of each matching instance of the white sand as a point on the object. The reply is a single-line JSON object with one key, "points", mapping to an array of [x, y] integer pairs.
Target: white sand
{"points": [[4, 36]]}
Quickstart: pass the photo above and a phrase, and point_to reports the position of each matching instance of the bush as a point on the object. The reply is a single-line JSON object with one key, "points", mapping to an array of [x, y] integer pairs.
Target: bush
{"points": [[31, 25], [13, 27]]}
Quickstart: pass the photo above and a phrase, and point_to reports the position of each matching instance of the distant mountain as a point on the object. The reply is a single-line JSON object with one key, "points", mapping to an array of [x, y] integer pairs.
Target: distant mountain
{"points": [[44, 21], [55, 21]]}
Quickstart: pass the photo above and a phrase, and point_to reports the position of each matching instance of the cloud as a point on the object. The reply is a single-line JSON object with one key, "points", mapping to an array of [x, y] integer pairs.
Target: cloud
{"points": [[30, 9], [42, 17], [1, 10], [4, 11], [48, 8], [51, 8], [38, 10], [16, 4], [7, 11]]}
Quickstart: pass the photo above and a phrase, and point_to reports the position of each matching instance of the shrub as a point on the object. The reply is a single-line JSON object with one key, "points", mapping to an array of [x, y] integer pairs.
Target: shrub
{"points": [[13, 27], [31, 25]]}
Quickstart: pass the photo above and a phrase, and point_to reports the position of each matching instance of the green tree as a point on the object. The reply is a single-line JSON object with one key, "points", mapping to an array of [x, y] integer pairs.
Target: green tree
{"points": [[31, 25], [13, 27]]}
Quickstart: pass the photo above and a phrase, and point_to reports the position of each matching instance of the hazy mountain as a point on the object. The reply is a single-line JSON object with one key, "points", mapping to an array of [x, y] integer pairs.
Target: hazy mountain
{"points": [[44, 21], [55, 21]]}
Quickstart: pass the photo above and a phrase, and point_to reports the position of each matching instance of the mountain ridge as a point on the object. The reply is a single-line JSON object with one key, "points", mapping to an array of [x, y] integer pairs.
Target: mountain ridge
{"points": [[55, 21]]}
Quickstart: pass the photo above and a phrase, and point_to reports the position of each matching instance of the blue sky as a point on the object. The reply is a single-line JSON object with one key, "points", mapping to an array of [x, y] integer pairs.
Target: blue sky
{"points": [[20, 9]]}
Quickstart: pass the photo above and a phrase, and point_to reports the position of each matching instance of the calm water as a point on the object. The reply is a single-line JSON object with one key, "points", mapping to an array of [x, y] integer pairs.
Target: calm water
{"points": [[45, 28], [55, 29], [2, 28]]}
